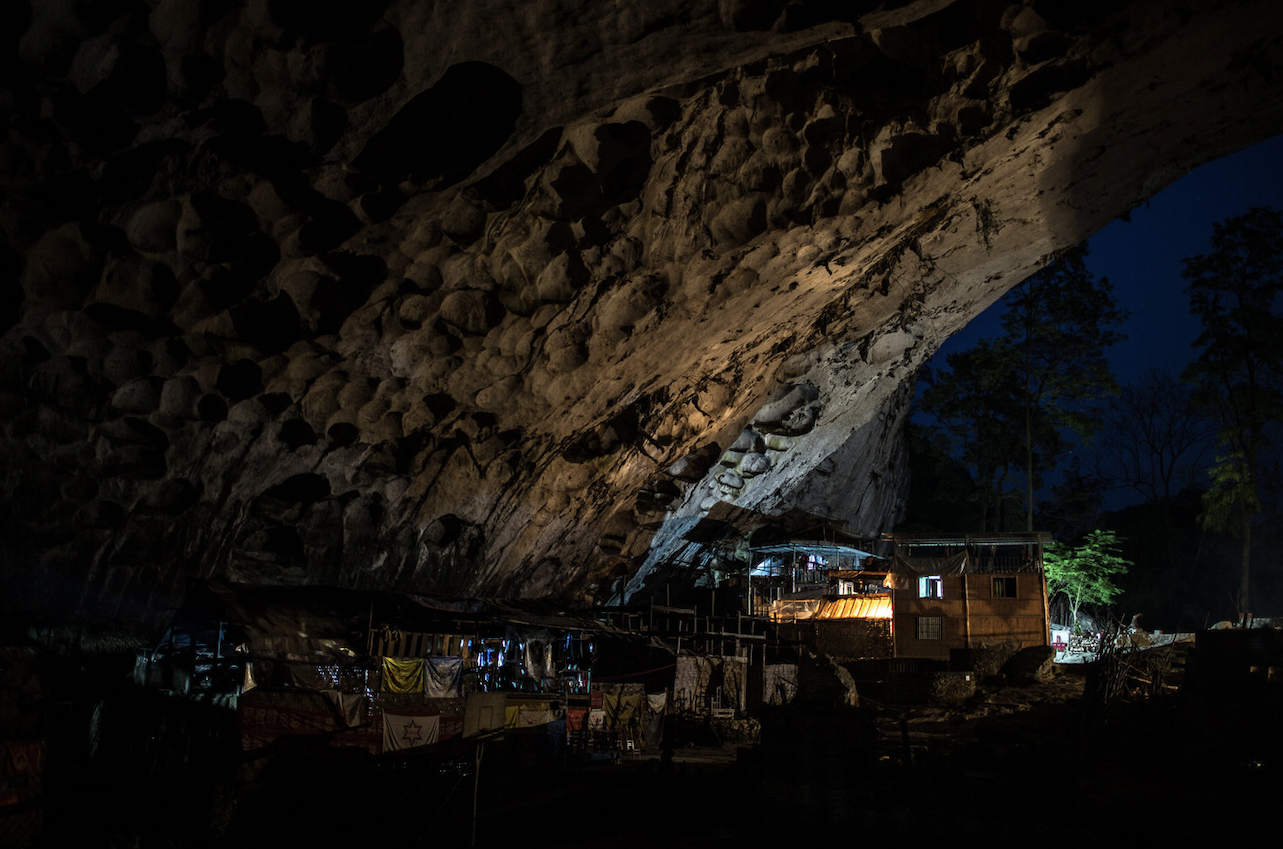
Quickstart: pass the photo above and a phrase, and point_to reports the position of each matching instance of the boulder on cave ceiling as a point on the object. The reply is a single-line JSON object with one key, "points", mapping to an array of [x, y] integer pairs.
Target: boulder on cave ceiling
{"points": [[473, 300]]}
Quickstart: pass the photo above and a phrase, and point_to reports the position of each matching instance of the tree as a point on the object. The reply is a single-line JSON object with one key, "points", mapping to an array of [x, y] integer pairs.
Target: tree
{"points": [[1008, 399], [1085, 573], [942, 498], [1154, 437], [1060, 323], [1238, 373], [1075, 503], [973, 401], [1154, 442]]}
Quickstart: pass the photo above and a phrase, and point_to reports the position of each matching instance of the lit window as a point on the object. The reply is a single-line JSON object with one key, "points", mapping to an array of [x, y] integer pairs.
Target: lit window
{"points": [[930, 628], [930, 587], [1004, 587]]}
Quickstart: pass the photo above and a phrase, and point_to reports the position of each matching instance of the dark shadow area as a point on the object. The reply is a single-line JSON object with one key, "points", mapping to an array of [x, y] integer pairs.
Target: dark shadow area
{"points": [[1143, 744], [445, 132]]}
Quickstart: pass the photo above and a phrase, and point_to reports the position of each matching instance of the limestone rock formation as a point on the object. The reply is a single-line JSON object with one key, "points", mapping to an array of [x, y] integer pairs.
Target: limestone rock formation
{"points": [[500, 297]]}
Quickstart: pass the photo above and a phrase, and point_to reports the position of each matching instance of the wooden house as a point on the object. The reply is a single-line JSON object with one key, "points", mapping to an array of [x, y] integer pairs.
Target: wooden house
{"points": [[928, 597], [966, 592]]}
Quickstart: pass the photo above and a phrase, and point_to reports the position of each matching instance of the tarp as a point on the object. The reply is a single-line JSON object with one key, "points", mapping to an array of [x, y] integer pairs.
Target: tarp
{"points": [[780, 683], [907, 568], [536, 657], [621, 708], [985, 553], [702, 682], [653, 730], [792, 609]]}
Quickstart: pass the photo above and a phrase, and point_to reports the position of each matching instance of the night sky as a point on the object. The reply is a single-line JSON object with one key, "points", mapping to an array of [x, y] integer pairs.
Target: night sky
{"points": [[1142, 258]]}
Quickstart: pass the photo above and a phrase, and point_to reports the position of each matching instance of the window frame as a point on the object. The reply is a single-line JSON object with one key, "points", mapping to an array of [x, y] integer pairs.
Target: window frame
{"points": [[1007, 582], [928, 583], [929, 628]]}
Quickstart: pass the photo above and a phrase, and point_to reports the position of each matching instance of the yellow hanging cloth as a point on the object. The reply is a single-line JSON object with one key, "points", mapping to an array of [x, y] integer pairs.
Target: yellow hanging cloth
{"points": [[402, 676]]}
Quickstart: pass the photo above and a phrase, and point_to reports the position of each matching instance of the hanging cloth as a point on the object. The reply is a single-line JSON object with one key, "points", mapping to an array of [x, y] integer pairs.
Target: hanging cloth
{"points": [[402, 676], [443, 675]]}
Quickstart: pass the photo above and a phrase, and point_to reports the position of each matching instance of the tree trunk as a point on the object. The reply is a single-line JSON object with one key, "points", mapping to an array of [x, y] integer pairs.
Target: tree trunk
{"points": [[1244, 608], [997, 501], [1029, 466]]}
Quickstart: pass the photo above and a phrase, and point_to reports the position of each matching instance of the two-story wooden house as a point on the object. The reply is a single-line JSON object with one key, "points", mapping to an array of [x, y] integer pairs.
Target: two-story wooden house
{"points": [[925, 598], [964, 592]]}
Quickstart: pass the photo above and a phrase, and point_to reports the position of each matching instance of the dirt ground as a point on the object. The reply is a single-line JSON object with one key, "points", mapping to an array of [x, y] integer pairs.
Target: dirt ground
{"points": [[1010, 762]]}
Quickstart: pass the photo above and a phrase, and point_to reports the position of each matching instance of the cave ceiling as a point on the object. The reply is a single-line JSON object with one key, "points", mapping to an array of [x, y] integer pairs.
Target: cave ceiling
{"points": [[501, 298]]}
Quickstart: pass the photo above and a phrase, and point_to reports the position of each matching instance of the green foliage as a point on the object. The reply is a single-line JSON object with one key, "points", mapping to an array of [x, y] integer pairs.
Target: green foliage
{"points": [[1074, 506], [1182, 576], [1232, 491], [1059, 325], [975, 403], [1234, 290], [1085, 573], [943, 496], [1238, 374]]}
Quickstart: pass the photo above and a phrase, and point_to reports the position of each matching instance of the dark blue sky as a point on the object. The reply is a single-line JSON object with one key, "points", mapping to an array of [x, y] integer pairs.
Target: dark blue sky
{"points": [[1142, 258]]}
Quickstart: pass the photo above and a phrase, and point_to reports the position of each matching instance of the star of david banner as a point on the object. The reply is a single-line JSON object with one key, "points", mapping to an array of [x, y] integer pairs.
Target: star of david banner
{"points": [[406, 731]]}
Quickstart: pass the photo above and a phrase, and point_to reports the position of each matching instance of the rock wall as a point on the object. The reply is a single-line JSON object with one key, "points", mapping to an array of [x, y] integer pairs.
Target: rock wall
{"points": [[489, 298]]}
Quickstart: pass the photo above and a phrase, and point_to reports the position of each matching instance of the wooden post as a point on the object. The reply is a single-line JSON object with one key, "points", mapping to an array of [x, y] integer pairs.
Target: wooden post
{"points": [[476, 784], [1046, 602]]}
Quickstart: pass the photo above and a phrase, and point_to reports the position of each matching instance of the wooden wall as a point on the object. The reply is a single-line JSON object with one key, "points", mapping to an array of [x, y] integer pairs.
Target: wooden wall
{"points": [[972, 618]]}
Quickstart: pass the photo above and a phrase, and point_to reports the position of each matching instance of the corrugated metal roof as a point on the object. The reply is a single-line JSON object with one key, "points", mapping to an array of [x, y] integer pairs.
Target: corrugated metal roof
{"points": [[843, 607], [831, 549], [961, 540], [856, 607]]}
